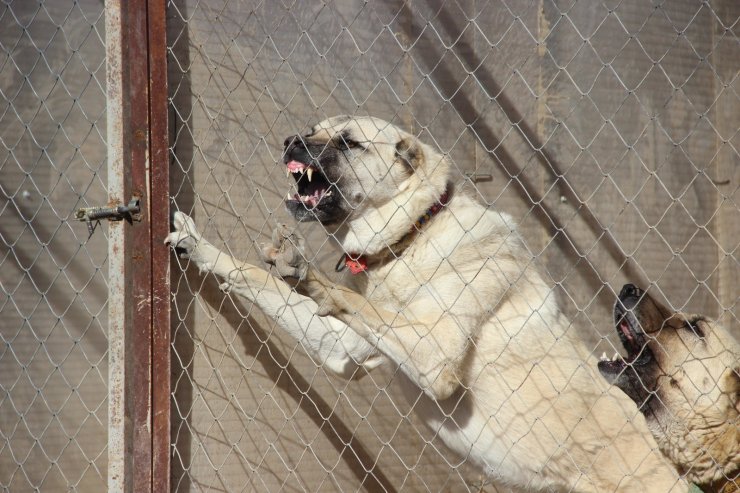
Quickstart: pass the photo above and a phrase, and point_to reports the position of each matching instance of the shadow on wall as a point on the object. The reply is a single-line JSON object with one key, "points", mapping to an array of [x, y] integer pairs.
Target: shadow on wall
{"points": [[276, 365], [449, 83]]}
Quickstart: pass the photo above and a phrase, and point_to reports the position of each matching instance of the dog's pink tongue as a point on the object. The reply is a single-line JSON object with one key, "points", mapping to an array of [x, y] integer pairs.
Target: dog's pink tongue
{"points": [[295, 166], [625, 330]]}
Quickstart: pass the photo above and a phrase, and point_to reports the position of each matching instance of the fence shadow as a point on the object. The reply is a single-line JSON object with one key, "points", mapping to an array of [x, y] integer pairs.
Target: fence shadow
{"points": [[277, 365], [448, 83], [283, 373]]}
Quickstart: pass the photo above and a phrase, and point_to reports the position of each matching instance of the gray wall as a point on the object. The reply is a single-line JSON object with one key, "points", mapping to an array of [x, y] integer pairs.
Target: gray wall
{"points": [[611, 137], [53, 293]]}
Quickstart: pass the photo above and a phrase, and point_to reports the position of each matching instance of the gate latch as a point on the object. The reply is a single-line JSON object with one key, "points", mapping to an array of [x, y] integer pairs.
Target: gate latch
{"points": [[92, 215]]}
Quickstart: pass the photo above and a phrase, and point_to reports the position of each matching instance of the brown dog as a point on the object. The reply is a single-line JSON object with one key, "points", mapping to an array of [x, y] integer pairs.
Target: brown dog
{"points": [[683, 371]]}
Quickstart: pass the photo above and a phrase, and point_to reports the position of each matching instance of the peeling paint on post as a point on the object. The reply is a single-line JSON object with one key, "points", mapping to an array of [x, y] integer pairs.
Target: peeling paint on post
{"points": [[138, 302], [139, 358], [160, 254], [119, 443]]}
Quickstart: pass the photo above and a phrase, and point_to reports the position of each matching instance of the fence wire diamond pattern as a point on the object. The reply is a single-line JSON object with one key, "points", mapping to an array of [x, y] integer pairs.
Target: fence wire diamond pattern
{"points": [[608, 131], [53, 362]]}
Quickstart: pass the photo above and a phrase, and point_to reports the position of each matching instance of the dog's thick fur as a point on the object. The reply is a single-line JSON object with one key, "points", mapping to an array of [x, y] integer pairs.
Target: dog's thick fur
{"points": [[683, 371], [457, 305]]}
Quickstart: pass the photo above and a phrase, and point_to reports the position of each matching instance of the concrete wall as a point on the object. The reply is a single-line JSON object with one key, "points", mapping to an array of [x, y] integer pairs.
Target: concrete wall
{"points": [[611, 137], [53, 292]]}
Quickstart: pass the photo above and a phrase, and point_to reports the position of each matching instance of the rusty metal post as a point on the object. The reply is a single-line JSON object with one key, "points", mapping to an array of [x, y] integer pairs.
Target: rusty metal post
{"points": [[138, 260], [140, 351], [159, 200]]}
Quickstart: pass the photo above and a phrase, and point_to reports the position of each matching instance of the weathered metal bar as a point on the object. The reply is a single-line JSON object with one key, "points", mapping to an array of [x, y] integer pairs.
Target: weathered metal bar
{"points": [[160, 255], [139, 297], [119, 313], [140, 352]]}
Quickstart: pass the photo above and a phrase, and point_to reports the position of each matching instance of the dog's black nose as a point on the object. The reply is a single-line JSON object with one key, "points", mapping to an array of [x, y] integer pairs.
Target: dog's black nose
{"points": [[293, 140], [630, 290]]}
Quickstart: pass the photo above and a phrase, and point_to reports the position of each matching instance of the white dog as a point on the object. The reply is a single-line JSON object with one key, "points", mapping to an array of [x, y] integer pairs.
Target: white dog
{"points": [[447, 292]]}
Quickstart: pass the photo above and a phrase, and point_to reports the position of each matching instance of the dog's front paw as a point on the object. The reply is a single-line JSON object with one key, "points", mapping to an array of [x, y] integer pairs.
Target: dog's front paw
{"points": [[286, 253], [185, 236]]}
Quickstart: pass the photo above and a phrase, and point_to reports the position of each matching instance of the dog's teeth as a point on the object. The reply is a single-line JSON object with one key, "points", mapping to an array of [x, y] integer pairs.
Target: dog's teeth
{"points": [[603, 356], [327, 193], [309, 172], [615, 357]]}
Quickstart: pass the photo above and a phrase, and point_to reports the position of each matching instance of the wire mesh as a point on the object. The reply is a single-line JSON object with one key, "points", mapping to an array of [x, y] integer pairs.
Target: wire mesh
{"points": [[53, 365], [608, 130]]}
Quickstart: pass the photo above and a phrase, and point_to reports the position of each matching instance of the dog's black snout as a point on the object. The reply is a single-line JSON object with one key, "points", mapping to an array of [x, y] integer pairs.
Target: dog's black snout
{"points": [[293, 140], [630, 291]]}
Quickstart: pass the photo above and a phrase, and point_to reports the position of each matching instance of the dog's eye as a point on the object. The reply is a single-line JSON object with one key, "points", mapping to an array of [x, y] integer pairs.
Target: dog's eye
{"points": [[345, 143], [693, 326]]}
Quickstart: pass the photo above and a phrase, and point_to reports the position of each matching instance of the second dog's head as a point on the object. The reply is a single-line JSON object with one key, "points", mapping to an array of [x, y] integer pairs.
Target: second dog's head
{"points": [[683, 372], [344, 165]]}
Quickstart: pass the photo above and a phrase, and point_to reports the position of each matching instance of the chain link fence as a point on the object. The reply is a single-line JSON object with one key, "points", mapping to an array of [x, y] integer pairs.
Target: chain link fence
{"points": [[608, 130], [53, 303]]}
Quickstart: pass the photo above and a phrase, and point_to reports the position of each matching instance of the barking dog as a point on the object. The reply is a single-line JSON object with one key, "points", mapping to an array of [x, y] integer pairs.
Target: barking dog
{"points": [[446, 292], [683, 371]]}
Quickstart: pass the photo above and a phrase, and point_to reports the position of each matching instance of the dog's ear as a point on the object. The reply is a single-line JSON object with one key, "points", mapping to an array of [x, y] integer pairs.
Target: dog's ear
{"points": [[409, 152]]}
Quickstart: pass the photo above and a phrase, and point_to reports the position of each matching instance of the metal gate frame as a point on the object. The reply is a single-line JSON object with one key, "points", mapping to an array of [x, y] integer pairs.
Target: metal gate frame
{"points": [[139, 292]]}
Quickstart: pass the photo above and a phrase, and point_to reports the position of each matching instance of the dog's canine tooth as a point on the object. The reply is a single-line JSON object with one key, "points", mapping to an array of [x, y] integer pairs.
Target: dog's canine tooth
{"points": [[616, 356], [309, 172], [603, 356]]}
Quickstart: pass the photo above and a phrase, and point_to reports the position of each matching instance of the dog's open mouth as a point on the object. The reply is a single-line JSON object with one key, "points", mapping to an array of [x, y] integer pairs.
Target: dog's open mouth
{"points": [[312, 187], [634, 341]]}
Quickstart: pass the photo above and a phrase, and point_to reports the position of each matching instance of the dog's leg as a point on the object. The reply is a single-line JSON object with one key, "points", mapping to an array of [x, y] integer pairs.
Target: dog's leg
{"points": [[429, 349], [327, 339]]}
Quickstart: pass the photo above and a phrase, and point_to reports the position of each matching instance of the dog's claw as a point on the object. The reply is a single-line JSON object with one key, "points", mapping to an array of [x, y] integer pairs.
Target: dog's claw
{"points": [[184, 236], [286, 253]]}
